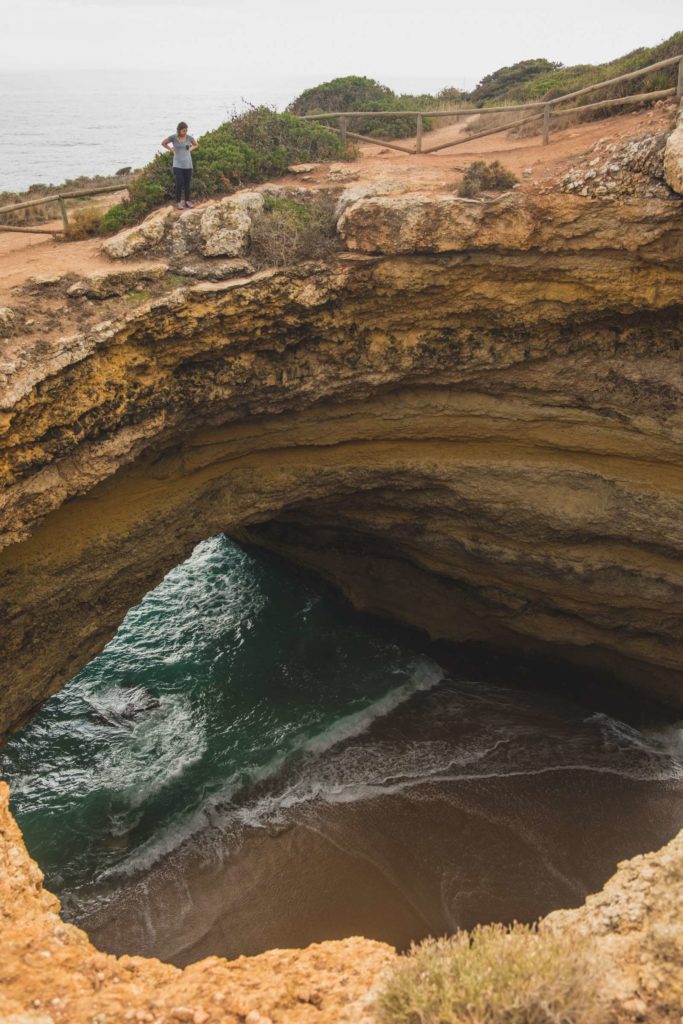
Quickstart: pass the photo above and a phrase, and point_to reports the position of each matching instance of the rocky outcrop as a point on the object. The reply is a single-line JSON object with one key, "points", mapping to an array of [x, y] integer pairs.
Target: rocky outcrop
{"points": [[673, 157], [633, 169], [635, 923], [107, 284], [218, 229], [7, 321], [407, 224], [475, 427]]}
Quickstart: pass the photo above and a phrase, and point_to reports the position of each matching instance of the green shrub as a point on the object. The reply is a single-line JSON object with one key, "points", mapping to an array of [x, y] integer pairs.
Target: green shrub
{"points": [[250, 147], [357, 93], [499, 84], [483, 177], [121, 216], [533, 80], [494, 975], [291, 230]]}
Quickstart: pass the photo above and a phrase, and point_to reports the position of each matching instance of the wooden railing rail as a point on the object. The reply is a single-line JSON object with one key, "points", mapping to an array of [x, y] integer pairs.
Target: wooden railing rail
{"points": [[541, 109], [545, 109], [60, 198]]}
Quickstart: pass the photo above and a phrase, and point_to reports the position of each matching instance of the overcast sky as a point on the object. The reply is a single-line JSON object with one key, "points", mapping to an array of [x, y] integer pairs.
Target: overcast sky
{"points": [[430, 39]]}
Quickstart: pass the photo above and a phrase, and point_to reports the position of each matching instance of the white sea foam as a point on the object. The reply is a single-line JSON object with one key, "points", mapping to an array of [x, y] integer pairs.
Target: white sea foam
{"points": [[496, 745], [213, 812]]}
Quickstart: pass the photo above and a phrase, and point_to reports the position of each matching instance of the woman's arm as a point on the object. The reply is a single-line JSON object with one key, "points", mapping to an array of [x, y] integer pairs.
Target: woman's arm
{"points": [[195, 145], [166, 145]]}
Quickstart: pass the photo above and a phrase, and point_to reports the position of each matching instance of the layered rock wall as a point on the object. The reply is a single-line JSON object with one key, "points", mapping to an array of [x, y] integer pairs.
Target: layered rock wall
{"points": [[471, 422]]}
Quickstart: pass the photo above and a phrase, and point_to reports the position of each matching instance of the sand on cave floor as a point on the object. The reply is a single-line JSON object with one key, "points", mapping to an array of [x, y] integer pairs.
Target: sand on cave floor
{"points": [[23, 256]]}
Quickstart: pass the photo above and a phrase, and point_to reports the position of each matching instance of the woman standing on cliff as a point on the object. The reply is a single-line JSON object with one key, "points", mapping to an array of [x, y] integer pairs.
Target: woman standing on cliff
{"points": [[181, 145]]}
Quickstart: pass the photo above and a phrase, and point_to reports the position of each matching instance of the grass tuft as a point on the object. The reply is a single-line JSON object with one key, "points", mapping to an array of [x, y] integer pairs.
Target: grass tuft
{"points": [[483, 177], [291, 230], [494, 975]]}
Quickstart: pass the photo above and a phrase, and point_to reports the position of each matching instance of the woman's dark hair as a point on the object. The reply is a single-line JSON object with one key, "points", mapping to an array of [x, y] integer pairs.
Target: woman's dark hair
{"points": [[181, 125]]}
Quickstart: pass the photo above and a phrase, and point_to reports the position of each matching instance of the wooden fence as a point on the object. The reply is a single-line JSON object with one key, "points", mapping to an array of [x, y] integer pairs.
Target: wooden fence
{"points": [[60, 198], [544, 110]]}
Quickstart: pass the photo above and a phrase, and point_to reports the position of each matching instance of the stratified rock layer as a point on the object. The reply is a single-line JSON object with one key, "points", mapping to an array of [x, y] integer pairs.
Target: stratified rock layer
{"points": [[479, 434]]}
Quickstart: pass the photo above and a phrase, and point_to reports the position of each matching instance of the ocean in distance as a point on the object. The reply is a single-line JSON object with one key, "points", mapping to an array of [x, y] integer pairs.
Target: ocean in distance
{"points": [[64, 124]]}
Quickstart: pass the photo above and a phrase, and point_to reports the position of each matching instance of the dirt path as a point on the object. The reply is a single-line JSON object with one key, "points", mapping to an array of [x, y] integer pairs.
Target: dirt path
{"points": [[23, 256]]}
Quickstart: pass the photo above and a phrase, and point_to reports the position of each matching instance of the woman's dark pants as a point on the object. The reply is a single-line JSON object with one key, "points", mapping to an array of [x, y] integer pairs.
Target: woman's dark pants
{"points": [[183, 177]]}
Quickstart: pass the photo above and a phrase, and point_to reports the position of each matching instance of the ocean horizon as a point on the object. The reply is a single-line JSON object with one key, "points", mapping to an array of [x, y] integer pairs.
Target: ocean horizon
{"points": [[64, 124]]}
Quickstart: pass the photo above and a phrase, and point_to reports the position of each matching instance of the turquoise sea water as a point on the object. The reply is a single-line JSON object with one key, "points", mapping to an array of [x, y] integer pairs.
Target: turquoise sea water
{"points": [[251, 763], [63, 124], [230, 667]]}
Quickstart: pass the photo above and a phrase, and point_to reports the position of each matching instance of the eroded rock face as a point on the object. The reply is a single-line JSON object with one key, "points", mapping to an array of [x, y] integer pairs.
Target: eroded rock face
{"points": [[109, 283], [407, 224], [636, 921], [673, 157], [472, 422], [484, 441]]}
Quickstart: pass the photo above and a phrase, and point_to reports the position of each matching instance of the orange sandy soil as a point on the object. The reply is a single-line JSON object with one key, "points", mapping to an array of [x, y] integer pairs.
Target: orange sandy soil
{"points": [[23, 256]]}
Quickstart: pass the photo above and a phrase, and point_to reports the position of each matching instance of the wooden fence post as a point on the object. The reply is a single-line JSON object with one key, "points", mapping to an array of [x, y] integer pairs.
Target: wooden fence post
{"points": [[65, 218], [418, 140], [342, 130], [679, 86], [546, 123]]}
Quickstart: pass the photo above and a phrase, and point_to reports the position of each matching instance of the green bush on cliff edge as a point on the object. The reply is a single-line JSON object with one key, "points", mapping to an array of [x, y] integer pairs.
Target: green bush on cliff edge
{"points": [[250, 147], [354, 92]]}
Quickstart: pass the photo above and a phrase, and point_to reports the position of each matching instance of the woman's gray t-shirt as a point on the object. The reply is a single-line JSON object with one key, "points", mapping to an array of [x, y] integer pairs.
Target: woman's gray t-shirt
{"points": [[182, 157]]}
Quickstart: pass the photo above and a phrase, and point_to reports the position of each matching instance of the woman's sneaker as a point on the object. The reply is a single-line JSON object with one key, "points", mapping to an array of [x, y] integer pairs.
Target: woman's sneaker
{"points": [[189, 205], [178, 206]]}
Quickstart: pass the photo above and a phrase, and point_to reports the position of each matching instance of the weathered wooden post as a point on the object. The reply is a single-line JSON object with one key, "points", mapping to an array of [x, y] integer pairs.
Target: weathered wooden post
{"points": [[546, 123], [342, 130], [65, 218], [679, 86], [418, 140]]}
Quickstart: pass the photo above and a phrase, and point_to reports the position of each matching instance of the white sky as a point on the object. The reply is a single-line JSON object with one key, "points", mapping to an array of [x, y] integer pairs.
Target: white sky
{"points": [[422, 39]]}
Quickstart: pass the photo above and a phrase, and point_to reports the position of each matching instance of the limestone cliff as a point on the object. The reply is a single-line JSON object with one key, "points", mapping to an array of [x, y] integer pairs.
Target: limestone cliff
{"points": [[470, 421]]}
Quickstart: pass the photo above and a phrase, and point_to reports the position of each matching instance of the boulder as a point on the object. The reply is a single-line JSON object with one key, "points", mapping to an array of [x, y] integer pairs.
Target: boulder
{"points": [[355, 193], [673, 158], [226, 225], [220, 228], [343, 173], [302, 168], [7, 321], [140, 238]]}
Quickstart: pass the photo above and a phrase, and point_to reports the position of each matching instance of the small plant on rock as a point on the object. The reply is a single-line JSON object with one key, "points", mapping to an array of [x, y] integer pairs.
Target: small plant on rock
{"points": [[483, 177], [290, 230], [84, 222], [494, 975]]}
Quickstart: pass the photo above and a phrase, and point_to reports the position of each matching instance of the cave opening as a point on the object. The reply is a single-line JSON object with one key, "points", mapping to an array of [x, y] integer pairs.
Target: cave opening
{"points": [[252, 763]]}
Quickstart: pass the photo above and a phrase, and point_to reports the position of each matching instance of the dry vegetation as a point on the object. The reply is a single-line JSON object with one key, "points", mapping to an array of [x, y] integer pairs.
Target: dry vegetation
{"points": [[84, 222], [291, 230], [494, 975], [482, 177]]}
